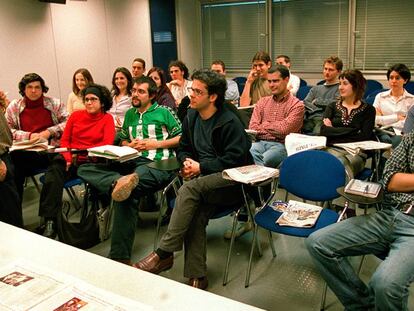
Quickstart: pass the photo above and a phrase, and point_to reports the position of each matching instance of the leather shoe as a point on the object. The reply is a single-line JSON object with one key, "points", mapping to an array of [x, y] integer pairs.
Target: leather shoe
{"points": [[200, 283], [154, 264], [50, 231], [124, 187]]}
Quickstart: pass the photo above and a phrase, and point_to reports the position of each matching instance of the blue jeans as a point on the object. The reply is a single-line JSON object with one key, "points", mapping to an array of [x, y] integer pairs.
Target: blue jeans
{"points": [[268, 153], [386, 232]]}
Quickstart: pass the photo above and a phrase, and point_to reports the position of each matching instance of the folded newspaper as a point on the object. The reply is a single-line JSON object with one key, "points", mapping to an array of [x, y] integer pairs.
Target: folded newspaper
{"points": [[295, 143], [364, 188], [111, 152], [34, 144], [356, 147], [299, 214], [250, 174]]}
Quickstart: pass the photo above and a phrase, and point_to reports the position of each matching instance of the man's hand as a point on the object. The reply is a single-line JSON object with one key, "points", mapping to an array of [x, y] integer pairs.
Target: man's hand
{"points": [[177, 82], [253, 75], [190, 168], [327, 122], [144, 144], [3, 171], [43, 134]]}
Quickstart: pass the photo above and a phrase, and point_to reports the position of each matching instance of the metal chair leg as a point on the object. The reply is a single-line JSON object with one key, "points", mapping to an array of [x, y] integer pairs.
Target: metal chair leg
{"points": [[233, 236], [272, 246], [249, 266]]}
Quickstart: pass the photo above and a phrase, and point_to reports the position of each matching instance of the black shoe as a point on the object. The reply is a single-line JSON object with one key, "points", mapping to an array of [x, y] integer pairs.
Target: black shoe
{"points": [[50, 229]]}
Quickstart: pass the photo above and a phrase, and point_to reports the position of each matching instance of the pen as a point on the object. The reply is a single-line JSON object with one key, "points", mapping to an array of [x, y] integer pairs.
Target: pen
{"points": [[366, 189]]}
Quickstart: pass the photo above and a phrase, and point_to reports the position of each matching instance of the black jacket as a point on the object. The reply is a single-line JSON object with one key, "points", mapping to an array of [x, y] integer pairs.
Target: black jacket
{"points": [[229, 139]]}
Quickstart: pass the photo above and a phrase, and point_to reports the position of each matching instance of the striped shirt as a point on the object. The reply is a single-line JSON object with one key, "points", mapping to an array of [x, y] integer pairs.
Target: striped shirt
{"points": [[273, 119], [157, 122]]}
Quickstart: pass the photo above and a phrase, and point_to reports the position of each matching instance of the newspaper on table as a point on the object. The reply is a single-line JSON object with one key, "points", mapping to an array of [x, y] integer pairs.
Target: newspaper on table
{"points": [[250, 174], [356, 147], [34, 144], [299, 214], [364, 188], [24, 286], [295, 142], [112, 152]]}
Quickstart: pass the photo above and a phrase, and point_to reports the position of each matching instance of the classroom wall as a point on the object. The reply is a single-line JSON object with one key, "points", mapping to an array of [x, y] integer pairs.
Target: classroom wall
{"points": [[54, 40]]}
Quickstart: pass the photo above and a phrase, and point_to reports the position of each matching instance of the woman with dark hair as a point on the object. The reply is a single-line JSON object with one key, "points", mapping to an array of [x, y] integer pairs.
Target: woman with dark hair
{"points": [[179, 84], [164, 96], [121, 92], [349, 120], [392, 106], [81, 78]]}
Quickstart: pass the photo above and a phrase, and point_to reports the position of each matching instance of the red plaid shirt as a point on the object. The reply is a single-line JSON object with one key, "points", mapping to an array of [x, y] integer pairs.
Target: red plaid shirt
{"points": [[273, 119]]}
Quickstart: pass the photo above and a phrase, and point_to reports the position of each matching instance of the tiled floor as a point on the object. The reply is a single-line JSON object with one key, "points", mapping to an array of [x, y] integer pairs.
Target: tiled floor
{"points": [[287, 282]]}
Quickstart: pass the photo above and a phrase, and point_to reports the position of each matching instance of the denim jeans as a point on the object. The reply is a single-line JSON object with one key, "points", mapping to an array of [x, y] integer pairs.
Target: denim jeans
{"points": [[268, 153], [386, 232]]}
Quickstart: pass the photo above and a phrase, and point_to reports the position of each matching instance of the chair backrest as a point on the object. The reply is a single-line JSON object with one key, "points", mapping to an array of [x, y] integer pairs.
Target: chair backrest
{"points": [[241, 81], [371, 97], [410, 87], [303, 91], [372, 85], [312, 175], [302, 83]]}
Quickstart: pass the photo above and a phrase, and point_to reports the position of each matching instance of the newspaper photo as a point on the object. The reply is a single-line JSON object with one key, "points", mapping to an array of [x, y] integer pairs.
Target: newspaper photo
{"points": [[250, 174], [299, 214]]}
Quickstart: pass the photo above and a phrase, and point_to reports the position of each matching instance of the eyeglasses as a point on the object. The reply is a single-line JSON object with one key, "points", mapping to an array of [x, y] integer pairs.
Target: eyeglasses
{"points": [[196, 92], [91, 99]]}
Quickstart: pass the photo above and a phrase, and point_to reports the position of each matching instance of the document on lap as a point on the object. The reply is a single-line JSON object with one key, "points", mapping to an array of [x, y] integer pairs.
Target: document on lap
{"points": [[111, 152]]}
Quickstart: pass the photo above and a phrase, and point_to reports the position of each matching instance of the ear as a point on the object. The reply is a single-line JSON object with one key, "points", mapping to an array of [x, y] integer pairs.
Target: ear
{"points": [[213, 97], [269, 64]]}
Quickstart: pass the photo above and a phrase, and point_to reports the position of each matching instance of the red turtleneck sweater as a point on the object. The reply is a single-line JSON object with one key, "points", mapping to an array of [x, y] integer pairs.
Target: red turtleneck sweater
{"points": [[35, 117]]}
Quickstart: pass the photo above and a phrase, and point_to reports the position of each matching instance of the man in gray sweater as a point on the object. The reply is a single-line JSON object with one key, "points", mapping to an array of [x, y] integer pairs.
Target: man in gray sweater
{"points": [[321, 96]]}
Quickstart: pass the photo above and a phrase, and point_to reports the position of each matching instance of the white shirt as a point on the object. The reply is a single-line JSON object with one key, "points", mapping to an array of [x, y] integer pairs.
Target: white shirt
{"points": [[119, 109], [391, 107], [232, 92], [180, 92], [294, 84]]}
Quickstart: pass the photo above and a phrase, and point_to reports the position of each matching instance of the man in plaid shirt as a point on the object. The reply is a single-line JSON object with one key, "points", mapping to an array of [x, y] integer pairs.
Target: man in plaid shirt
{"points": [[387, 233], [273, 118]]}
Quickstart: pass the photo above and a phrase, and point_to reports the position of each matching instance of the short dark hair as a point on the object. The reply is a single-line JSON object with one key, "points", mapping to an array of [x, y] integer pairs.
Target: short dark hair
{"points": [[219, 62], [263, 56], [86, 75], [29, 78], [402, 70], [103, 93], [216, 84], [357, 80], [152, 86], [127, 74], [285, 57], [181, 65], [335, 60], [283, 70], [139, 60]]}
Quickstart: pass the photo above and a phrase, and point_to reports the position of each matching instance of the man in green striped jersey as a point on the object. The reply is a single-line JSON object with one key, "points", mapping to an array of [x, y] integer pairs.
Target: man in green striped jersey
{"points": [[154, 131]]}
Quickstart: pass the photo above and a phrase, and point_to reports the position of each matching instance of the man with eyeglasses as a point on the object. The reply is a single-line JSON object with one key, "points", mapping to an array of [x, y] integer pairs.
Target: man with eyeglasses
{"points": [[274, 117], [35, 116], [213, 139], [154, 131]]}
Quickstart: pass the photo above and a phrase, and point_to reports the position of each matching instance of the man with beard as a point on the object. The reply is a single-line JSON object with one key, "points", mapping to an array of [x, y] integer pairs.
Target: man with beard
{"points": [[154, 131]]}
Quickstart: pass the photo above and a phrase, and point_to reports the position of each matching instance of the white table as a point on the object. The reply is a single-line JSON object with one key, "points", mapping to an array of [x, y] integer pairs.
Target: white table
{"points": [[153, 290]]}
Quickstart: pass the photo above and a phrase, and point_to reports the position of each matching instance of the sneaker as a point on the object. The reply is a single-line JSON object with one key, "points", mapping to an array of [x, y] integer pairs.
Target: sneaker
{"points": [[243, 228], [124, 187]]}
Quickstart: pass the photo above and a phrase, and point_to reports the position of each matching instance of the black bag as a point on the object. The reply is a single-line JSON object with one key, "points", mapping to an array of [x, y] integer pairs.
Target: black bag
{"points": [[84, 234]]}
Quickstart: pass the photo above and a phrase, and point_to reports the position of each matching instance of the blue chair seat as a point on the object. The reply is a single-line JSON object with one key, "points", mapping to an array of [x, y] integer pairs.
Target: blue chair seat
{"points": [[267, 216], [69, 184]]}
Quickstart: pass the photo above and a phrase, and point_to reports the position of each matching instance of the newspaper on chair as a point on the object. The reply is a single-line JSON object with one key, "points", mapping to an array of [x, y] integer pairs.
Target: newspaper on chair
{"points": [[356, 147], [295, 143], [250, 174], [299, 214]]}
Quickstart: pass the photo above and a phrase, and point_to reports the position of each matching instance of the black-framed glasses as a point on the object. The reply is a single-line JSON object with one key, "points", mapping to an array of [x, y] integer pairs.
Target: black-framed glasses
{"points": [[196, 92]]}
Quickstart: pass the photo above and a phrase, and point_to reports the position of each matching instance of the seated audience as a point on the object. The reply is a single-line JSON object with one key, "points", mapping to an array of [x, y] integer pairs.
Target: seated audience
{"points": [[232, 93], [179, 84], [320, 96], [10, 205], [294, 80], [39, 116], [81, 78], [349, 120], [121, 92], [256, 84], [213, 140], [138, 68], [153, 130], [273, 118], [392, 106], [164, 96], [387, 233]]}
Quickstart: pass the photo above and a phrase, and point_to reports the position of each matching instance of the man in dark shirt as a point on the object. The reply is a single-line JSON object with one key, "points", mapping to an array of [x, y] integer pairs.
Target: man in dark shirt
{"points": [[388, 232], [213, 139]]}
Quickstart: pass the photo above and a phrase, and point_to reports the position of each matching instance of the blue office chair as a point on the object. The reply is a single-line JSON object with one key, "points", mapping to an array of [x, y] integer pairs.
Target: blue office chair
{"points": [[410, 87], [302, 83], [311, 175], [303, 91], [371, 97], [372, 85], [241, 81]]}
